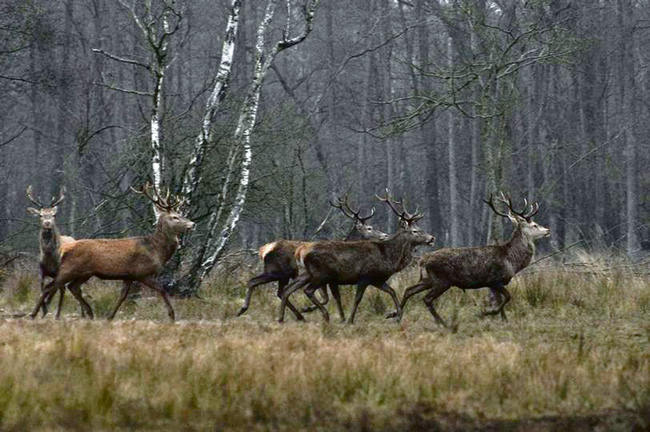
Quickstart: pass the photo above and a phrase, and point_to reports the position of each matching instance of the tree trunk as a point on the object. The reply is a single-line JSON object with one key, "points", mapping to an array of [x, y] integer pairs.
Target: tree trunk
{"points": [[264, 57], [222, 82], [629, 122], [451, 144]]}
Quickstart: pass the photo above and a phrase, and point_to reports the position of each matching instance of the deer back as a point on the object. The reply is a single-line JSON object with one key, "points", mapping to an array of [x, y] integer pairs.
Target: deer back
{"points": [[130, 258], [346, 262], [476, 267], [278, 256]]}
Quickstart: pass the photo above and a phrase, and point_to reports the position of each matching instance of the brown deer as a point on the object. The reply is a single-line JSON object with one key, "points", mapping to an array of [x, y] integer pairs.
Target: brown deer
{"points": [[133, 259], [363, 263], [50, 239], [280, 263], [477, 267]]}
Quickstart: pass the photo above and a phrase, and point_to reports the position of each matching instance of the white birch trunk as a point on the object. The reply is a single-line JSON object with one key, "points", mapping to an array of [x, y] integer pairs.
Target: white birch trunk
{"points": [[156, 114], [224, 72], [242, 136]]}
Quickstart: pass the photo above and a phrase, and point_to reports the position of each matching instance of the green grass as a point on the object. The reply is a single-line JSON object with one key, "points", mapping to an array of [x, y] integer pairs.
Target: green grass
{"points": [[573, 355]]}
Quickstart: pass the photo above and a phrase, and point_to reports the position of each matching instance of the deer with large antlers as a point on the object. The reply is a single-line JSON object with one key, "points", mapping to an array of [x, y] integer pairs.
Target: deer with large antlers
{"points": [[50, 239], [362, 263], [280, 263], [132, 259], [477, 267]]}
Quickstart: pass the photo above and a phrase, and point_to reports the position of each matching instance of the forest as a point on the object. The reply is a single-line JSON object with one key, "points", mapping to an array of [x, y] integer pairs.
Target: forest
{"points": [[261, 120], [254, 120]]}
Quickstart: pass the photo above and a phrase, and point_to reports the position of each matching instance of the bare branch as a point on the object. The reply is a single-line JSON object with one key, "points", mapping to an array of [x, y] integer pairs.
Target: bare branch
{"points": [[2, 144], [123, 90], [122, 59]]}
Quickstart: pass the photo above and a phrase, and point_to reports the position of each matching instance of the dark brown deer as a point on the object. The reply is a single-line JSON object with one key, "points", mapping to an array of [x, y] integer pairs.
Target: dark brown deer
{"points": [[50, 239], [363, 263], [129, 259], [280, 262], [477, 267]]}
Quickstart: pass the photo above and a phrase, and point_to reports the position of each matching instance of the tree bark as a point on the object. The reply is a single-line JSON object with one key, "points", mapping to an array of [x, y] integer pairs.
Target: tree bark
{"points": [[451, 152], [222, 81]]}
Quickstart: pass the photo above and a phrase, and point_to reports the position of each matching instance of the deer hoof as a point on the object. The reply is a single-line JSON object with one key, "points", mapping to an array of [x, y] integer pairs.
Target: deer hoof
{"points": [[390, 315], [242, 311]]}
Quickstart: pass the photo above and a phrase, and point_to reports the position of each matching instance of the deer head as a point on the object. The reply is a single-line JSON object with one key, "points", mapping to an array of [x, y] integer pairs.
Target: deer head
{"points": [[170, 221], [521, 219], [366, 230], [46, 213], [408, 220]]}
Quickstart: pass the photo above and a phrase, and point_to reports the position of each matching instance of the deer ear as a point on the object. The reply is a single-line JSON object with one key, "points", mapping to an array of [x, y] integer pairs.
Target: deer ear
{"points": [[33, 211]]}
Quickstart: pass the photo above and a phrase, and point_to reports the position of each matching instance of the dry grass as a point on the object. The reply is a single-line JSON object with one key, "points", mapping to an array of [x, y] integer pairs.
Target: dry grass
{"points": [[574, 355]]}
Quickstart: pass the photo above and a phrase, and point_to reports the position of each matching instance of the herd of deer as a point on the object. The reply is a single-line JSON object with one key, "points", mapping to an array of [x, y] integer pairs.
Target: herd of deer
{"points": [[369, 259]]}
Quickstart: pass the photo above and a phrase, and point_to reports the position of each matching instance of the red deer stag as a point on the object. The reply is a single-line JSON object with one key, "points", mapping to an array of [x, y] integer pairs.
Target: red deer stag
{"points": [[280, 263], [365, 262], [133, 259], [485, 266], [50, 240]]}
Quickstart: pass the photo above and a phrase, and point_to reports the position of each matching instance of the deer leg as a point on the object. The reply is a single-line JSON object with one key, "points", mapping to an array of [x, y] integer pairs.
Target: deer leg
{"points": [[309, 291], [60, 305], [153, 284], [430, 297], [298, 283], [254, 283], [361, 288], [505, 298], [410, 292], [387, 288], [82, 302], [337, 298], [49, 288], [123, 295], [317, 304], [281, 285], [73, 287], [42, 288], [48, 300]]}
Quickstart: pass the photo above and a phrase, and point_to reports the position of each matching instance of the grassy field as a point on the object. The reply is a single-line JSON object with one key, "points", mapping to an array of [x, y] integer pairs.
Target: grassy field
{"points": [[574, 355]]}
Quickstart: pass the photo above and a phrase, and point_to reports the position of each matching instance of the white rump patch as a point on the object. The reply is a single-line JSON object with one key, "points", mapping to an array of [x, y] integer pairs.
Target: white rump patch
{"points": [[264, 250]]}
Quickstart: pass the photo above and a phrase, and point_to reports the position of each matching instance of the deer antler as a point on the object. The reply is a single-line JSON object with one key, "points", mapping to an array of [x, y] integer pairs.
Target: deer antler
{"points": [[168, 203], [57, 201], [31, 197], [526, 213], [411, 217], [534, 208], [404, 215], [346, 209]]}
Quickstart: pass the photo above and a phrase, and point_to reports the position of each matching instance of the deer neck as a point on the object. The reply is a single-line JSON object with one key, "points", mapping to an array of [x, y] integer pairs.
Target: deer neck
{"points": [[50, 253], [519, 250], [352, 235], [50, 240], [399, 250], [165, 242]]}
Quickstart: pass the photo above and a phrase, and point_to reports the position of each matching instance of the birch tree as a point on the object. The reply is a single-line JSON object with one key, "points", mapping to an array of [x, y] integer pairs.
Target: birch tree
{"points": [[157, 30], [191, 179], [240, 154]]}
